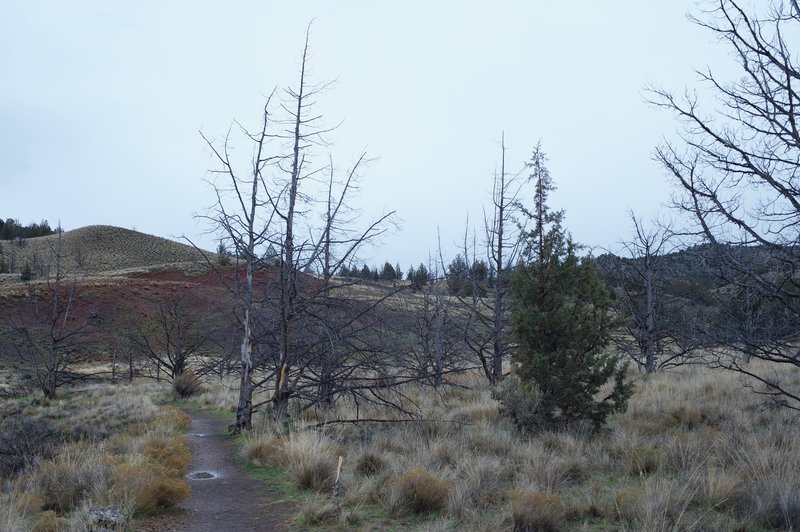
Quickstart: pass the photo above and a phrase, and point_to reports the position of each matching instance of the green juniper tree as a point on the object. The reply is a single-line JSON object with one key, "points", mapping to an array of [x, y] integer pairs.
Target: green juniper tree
{"points": [[562, 320]]}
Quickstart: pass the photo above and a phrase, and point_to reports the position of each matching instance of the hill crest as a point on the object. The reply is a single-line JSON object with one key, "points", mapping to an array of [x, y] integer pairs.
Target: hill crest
{"points": [[97, 249]]}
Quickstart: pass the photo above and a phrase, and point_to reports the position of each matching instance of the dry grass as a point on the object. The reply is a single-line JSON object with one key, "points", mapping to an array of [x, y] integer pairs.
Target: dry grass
{"points": [[695, 451], [536, 511], [416, 492], [120, 450]]}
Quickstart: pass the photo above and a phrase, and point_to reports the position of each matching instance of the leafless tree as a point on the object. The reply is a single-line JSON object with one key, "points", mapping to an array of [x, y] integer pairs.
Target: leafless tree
{"points": [[175, 335], [52, 338], [737, 172], [241, 198], [295, 328], [655, 335], [502, 244]]}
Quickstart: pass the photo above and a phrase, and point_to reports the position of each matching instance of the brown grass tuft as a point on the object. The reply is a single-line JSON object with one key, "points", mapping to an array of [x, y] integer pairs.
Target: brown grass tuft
{"points": [[49, 521], [148, 490], [187, 384], [64, 484], [645, 460], [535, 510], [270, 452], [311, 460], [418, 492], [370, 464], [318, 511], [171, 453]]}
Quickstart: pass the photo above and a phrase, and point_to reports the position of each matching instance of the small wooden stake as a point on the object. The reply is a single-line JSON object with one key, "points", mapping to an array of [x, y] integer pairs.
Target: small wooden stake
{"points": [[336, 484]]}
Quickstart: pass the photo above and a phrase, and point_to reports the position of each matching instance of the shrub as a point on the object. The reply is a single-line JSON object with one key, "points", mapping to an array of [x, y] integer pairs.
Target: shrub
{"points": [[520, 402], [419, 492], [562, 319], [26, 274], [535, 510], [186, 384], [21, 440]]}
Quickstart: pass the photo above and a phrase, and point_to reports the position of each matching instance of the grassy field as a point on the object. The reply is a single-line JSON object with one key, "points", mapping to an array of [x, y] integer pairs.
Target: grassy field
{"points": [[97, 446], [695, 451]]}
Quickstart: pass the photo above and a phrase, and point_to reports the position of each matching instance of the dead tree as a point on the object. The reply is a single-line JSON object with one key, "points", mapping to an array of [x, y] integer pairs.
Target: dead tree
{"points": [[502, 243], [642, 297], [291, 319], [241, 198], [52, 338], [175, 335], [736, 169]]}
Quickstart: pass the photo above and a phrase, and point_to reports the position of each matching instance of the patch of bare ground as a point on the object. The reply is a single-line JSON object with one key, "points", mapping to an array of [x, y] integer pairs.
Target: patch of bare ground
{"points": [[224, 496]]}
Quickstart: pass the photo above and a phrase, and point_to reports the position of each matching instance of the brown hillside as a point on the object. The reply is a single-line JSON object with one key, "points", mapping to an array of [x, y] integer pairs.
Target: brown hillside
{"points": [[95, 249]]}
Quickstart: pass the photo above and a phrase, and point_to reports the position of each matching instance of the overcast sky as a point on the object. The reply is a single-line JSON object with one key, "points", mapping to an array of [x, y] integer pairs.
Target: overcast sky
{"points": [[101, 103]]}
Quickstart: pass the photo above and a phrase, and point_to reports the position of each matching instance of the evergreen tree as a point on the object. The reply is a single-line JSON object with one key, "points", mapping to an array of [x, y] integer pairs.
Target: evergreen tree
{"points": [[388, 273], [458, 282], [27, 273], [562, 320], [418, 277], [223, 255]]}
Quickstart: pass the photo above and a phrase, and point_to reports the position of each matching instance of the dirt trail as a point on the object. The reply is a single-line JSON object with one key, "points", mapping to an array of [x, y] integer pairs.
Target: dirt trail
{"points": [[224, 497]]}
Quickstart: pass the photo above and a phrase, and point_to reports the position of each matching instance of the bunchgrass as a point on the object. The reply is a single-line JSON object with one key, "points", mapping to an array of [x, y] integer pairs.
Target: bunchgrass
{"points": [[695, 451]]}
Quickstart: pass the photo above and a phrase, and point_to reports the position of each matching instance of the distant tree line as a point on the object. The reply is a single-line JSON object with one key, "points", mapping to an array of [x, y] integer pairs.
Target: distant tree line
{"points": [[11, 229], [386, 273]]}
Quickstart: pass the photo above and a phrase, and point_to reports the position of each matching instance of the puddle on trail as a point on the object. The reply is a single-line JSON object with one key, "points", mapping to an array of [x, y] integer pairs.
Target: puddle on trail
{"points": [[203, 475], [197, 434]]}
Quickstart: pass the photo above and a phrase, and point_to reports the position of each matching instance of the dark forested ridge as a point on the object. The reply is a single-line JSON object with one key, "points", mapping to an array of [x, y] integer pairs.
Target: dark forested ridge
{"points": [[691, 270], [11, 228]]}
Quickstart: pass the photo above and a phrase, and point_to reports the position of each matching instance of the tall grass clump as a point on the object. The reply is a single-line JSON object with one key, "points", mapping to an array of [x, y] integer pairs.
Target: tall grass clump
{"points": [[416, 492], [534, 510]]}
